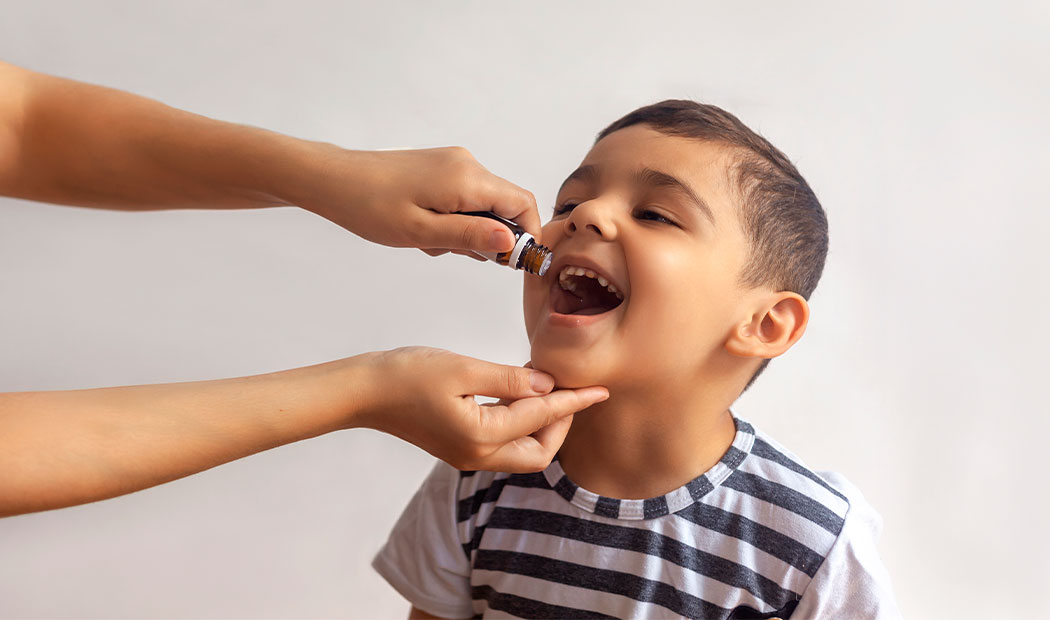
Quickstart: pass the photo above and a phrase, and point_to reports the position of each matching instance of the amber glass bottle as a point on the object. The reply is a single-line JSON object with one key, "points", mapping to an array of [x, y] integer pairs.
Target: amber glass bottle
{"points": [[526, 255]]}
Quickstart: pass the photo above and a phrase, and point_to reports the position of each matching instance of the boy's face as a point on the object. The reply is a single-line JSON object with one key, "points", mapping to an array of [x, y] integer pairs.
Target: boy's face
{"points": [[634, 214]]}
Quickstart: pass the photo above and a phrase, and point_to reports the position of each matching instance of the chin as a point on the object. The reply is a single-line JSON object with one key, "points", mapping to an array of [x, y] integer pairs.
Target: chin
{"points": [[570, 369]]}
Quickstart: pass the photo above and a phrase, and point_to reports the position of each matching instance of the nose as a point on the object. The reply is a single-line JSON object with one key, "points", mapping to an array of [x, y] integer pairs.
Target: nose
{"points": [[592, 216]]}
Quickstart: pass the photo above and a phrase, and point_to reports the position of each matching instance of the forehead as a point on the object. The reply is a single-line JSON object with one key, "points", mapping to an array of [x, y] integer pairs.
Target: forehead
{"points": [[623, 156]]}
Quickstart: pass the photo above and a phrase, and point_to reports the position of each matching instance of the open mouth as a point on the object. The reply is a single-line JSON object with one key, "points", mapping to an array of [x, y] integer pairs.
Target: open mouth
{"points": [[583, 292]]}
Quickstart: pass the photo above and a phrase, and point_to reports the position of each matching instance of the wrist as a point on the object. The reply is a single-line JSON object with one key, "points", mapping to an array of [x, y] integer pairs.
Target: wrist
{"points": [[314, 176], [312, 400], [351, 388]]}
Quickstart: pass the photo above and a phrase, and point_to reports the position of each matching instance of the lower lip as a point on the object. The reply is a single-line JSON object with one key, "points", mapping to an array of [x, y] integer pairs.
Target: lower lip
{"points": [[575, 320]]}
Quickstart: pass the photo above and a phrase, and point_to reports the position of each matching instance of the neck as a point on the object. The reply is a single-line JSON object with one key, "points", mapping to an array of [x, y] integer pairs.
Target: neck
{"points": [[637, 446]]}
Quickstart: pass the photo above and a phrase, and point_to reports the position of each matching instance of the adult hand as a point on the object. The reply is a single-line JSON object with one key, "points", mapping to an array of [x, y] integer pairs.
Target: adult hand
{"points": [[412, 198], [426, 397]]}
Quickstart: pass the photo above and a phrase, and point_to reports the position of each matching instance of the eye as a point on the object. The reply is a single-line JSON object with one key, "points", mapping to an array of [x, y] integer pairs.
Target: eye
{"points": [[653, 216], [564, 208]]}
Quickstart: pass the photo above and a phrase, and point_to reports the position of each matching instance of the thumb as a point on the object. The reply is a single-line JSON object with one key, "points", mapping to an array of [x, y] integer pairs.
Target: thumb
{"points": [[463, 232]]}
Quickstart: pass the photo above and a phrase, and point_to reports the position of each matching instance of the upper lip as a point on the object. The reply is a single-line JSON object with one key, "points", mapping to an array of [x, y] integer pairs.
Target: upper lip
{"points": [[562, 261]]}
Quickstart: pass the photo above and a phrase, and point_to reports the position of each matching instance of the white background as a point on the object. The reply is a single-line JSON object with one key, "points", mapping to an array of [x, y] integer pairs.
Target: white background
{"points": [[922, 129]]}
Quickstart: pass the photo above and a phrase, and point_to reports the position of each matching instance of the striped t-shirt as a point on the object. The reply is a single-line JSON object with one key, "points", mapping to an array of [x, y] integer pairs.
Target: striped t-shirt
{"points": [[758, 535]]}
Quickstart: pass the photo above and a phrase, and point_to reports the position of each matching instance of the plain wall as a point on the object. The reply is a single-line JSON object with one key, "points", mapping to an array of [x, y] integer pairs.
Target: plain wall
{"points": [[920, 126]]}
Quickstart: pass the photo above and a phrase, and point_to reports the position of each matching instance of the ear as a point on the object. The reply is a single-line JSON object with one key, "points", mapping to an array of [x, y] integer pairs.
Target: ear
{"points": [[776, 325]]}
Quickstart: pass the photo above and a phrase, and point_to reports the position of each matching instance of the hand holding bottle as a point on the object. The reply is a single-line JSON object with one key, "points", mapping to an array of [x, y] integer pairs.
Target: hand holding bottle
{"points": [[412, 198]]}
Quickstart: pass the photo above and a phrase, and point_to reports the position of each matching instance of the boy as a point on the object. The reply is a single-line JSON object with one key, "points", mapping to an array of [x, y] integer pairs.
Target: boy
{"points": [[686, 247]]}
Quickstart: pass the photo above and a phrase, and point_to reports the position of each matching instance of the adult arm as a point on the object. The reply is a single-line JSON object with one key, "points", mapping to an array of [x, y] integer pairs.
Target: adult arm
{"points": [[72, 143], [72, 447]]}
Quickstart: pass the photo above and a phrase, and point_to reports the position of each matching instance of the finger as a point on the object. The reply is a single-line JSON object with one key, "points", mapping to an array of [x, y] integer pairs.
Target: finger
{"points": [[551, 437], [531, 453], [505, 401], [528, 415], [510, 201], [480, 378], [433, 251], [459, 232]]}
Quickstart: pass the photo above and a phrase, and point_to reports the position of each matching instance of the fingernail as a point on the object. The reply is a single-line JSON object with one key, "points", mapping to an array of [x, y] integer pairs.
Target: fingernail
{"points": [[500, 241], [541, 382], [601, 395]]}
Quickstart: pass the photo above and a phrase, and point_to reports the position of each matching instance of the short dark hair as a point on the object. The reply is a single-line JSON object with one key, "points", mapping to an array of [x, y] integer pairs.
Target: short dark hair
{"points": [[785, 226]]}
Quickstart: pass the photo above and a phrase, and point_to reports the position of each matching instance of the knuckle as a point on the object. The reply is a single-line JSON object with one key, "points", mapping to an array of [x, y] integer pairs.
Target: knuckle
{"points": [[473, 455], [533, 462], [516, 382], [461, 153], [414, 232], [475, 438], [540, 462], [465, 172], [470, 236], [486, 439], [549, 403], [463, 367], [472, 432]]}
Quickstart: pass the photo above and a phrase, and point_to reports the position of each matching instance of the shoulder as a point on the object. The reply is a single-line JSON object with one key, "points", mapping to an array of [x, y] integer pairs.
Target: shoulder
{"points": [[827, 513], [828, 489], [773, 474], [423, 557], [781, 505]]}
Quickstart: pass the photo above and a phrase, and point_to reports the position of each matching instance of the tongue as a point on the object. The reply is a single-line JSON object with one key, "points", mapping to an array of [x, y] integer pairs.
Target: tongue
{"points": [[590, 297]]}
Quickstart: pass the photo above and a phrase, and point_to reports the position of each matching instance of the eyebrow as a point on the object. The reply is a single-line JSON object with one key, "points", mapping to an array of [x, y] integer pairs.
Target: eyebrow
{"points": [[583, 173], [650, 178]]}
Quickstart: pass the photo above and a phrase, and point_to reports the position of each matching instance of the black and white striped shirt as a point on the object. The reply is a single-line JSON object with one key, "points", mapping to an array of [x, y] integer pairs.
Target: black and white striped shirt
{"points": [[757, 536]]}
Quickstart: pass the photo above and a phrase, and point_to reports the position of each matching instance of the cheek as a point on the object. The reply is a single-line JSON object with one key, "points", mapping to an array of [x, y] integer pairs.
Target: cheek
{"points": [[679, 301], [661, 275]]}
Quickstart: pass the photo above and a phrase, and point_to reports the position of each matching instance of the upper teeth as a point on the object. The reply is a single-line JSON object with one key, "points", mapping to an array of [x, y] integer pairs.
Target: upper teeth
{"points": [[570, 270]]}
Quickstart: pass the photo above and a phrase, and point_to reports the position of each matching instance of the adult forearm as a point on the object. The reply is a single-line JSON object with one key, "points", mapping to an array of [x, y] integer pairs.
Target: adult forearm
{"points": [[73, 143], [72, 447]]}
